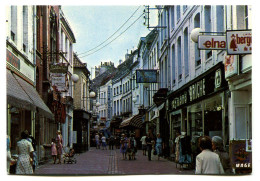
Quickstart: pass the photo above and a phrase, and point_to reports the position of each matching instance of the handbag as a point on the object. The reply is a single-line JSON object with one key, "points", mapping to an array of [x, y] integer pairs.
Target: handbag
{"points": [[154, 152]]}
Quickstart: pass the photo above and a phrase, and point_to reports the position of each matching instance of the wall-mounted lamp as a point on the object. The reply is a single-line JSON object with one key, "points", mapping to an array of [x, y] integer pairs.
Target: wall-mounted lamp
{"points": [[195, 34], [75, 78], [98, 104]]}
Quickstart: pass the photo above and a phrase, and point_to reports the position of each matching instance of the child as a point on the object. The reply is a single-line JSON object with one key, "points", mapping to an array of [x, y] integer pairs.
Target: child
{"points": [[53, 150]]}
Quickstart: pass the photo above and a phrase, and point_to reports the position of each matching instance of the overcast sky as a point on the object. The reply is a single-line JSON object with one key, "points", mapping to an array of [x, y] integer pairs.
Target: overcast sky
{"points": [[92, 25]]}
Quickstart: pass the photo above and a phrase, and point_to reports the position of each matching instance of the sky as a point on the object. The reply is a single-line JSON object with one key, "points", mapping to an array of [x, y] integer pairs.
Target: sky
{"points": [[93, 25]]}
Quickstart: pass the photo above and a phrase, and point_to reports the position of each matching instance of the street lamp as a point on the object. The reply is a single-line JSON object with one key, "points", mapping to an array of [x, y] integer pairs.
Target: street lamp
{"points": [[75, 78], [195, 34], [134, 100], [98, 104], [92, 94]]}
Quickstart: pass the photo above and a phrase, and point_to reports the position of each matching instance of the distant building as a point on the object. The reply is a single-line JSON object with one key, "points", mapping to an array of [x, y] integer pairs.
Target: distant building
{"points": [[103, 67]]}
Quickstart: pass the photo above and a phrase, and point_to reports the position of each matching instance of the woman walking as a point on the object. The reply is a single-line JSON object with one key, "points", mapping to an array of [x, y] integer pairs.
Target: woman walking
{"points": [[25, 155], [59, 145], [159, 146], [123, 146]]}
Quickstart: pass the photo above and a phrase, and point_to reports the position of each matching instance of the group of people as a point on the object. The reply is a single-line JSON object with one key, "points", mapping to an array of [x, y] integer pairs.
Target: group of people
{"points": [[212, 159], [149, 144], [102, 141], [27, 160], [56, 147], [27, 157], [128, 146]]}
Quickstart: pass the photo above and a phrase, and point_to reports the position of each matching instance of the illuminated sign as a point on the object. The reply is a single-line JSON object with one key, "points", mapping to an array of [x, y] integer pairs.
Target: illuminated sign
{"points": [[239, 42], [213, 42]]}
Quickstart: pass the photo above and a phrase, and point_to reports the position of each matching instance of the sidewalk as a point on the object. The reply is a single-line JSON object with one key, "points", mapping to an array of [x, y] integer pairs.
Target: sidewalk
{"points": [[107, 162]]}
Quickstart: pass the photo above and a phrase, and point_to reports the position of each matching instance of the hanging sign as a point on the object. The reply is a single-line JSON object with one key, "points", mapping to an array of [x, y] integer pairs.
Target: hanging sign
{"points": [[230, 63], [211, 42], [59, 80], [239, 42]]}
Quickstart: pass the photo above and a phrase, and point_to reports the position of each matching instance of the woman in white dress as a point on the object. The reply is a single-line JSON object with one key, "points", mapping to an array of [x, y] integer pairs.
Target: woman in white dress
{"points": [[25, 155]]}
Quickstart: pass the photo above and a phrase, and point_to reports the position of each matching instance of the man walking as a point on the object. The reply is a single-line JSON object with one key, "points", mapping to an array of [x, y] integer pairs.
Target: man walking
{"points": [[97, 141], [148, 141], [143, 144]]}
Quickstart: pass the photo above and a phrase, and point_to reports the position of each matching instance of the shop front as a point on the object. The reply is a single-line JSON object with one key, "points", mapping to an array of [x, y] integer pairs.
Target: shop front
{"points": [[200, 107]]}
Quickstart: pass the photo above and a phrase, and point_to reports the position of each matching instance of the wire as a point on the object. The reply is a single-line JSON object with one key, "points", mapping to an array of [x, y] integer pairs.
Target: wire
{"points": [[114, 38], [112, 34]]}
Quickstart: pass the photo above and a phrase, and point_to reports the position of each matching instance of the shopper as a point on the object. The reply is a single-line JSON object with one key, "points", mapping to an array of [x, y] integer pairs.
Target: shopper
{"points": [[25, 155], [34, 143], [10, 160], [207, 162], [148, 141], [97, 141], [159, 146], [131, 147], [143, 144], [111, 142], [59, 145], [103, 141], [217, 146], [123, 145], [53, 150]]}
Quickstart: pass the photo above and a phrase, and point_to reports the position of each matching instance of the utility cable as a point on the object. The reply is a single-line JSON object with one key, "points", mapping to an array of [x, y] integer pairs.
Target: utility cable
{"points": [[114, 38], [112, 34]]}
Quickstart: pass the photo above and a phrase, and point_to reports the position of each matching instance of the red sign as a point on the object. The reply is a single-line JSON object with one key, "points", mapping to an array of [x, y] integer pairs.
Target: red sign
{"points": [[12, 59]]}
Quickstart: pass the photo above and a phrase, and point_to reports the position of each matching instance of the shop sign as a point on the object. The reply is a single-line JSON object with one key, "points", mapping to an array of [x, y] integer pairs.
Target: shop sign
{"points": [[59, 81], [208, 84], [241, 154], [239, 42], [211, 42], [146, 76], [58, 68], [230, 63], [12, 59]]}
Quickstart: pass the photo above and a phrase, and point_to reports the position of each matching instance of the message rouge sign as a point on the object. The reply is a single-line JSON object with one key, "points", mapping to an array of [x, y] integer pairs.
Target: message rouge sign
{"points": [[213, 42], [239, 42]]}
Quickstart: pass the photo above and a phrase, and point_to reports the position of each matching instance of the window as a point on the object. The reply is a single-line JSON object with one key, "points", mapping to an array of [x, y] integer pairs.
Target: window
{"points": [[120, 89], [134, 82], [161, 29], [186, 52], [172, 17], [165, 72], [207, 19], [70, 54], [84, 94], [117, 92], [179, 58], [13, 23], [178, 9], [184, 7], [220, 18], [123, 88], [114, 91], [173, 64], [25, 28], [197, 51], [242, 17]]}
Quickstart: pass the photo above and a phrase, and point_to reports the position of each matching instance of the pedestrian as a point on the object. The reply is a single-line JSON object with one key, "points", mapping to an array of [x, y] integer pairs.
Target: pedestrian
{"points": [[103, 141], [148, 141], [159, 146], [10, 160], [25, 155], [131, 147], [117, 141], [207, 162], [123, 145], [59, 145], [97, 141], [111, 142], [143, 144], [177, 147], [217, 146], [53, 150], [34, 144]]}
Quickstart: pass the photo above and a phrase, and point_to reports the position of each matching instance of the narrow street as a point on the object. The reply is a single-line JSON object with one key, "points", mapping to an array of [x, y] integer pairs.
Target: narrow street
{"points": [[109, 162]]}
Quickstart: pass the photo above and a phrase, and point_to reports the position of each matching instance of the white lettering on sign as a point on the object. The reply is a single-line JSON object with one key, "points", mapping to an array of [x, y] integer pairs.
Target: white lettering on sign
{"points": [[206, 42], [197, 90], [243, 165]]}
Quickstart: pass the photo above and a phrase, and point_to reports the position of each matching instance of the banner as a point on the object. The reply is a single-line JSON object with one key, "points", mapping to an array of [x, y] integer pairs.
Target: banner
{"points": [[146, 76]]}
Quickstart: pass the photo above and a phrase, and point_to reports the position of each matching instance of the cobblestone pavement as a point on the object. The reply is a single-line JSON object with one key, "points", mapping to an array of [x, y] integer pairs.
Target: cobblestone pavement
{"points": [[107, 162]]}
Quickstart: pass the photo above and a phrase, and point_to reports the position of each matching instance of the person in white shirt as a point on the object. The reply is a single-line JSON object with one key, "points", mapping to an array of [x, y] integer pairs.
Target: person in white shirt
{"points": [[143, 144], [104, 143], [207, 162]]}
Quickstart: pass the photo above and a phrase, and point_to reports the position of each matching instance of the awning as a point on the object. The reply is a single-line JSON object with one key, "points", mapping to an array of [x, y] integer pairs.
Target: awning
{"points": [[135, 121], [19, 92]]}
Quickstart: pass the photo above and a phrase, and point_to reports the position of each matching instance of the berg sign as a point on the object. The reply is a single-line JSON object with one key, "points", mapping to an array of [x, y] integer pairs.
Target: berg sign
{"points": [[239, 42], [213, 42]]}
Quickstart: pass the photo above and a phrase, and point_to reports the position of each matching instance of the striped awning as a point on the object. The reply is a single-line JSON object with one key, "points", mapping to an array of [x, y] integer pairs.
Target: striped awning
{"points": [[135, 121]]}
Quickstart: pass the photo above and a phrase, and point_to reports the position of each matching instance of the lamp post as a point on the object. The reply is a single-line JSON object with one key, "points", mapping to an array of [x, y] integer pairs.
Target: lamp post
{"points": [[195, 34]]}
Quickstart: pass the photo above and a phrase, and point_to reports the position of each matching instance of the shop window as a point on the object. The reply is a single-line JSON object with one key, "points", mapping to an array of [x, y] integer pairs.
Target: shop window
{"points": [[195, 120]]}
